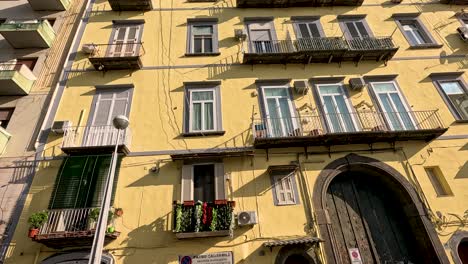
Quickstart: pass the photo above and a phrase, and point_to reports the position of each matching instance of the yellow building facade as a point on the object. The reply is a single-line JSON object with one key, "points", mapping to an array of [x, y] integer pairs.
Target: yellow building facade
{"points": [[310, 134]]}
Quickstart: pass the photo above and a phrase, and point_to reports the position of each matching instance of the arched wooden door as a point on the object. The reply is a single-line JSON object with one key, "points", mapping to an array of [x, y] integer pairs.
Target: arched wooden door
{"points": [[373, 216], [463, 251]]}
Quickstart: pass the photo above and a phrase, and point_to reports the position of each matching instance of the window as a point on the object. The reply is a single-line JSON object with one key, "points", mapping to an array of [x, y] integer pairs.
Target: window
{"points": [[203, 182], [125, 39], [355, 27], [415, 32], [202, 109], [262, 36], [283, 185], [278, 110], [438, 181], [307, 28], [455, 94], [81, 182], [202, 37], [5, 116], [393, 106]]}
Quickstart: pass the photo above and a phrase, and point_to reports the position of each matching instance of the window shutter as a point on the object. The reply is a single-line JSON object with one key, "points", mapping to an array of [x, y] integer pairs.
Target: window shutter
{"points": [[314, 30], [304, 31], [220, 189], [352, 30], [219, 112], [68, 183], [362, 29], [285, 190], [187, 183], [186, 110]]}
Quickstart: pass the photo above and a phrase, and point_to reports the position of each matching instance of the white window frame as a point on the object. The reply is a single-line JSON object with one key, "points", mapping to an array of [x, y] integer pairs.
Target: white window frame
{"points": [[219, 181], [204, 38], [215, 114], [405, 105], [278, 179], [347, 102], [415, 31], [449, 101], [290, 105]]}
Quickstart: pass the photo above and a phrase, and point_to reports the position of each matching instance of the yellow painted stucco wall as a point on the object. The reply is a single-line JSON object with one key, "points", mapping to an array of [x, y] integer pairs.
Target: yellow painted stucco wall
{"points": [[156, 118]]}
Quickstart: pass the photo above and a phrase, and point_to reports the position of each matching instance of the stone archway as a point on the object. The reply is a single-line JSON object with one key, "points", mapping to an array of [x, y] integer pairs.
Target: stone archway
{"points": [[296, 254], [458, 244], [411, 207]]}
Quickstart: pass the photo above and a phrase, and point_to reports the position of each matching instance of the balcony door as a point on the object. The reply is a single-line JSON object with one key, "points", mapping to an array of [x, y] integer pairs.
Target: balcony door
{"points": [[336, 108], [279, 111], [107, 104], [395, 110], [261, 36], [356, 29], [125, 39]]}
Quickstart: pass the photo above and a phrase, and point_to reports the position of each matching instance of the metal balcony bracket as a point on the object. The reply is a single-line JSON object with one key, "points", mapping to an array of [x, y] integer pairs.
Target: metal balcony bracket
{"points": [[330, 58], [306, 153], [359, 60], [267, 154]]}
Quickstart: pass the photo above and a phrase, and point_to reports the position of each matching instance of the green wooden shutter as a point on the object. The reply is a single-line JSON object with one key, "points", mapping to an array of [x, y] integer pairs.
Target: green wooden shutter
{"points": [[68, 183], [80, 182]]}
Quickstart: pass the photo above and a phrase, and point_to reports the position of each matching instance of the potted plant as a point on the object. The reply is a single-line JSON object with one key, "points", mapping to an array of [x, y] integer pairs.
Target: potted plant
{"points": [[118, 212], [35, 221], [94, 216]]}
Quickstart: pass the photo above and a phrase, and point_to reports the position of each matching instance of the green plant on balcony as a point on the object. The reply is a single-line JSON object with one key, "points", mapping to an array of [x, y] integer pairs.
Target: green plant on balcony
{"points": [[35, 222], [94, 215], [202, 216]]}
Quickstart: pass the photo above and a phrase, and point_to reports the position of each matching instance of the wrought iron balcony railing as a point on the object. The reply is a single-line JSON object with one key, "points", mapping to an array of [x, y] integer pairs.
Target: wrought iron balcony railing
{"points": [[356, 127], [116, 56], [371, 43], [201, 219], [321, 49], [70, 228], [95, 138]]}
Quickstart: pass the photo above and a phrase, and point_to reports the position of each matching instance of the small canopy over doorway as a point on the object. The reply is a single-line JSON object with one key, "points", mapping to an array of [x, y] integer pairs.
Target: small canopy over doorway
{"points": [[367, 211]]}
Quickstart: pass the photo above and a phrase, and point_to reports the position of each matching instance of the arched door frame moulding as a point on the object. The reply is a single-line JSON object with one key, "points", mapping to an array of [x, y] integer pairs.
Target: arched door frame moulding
{"points": [[353, 162], [454, 242]]}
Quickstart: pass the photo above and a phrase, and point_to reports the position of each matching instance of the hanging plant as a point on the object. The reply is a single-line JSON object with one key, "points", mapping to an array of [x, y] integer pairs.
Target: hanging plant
{"points": [[214, 219], [224, 214], [198, 216], [187, 216]]}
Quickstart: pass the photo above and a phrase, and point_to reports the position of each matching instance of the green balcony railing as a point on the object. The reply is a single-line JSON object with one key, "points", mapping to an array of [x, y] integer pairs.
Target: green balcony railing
{"points": [[203, 219], [40, 28], [15, 79], [50, 5]]}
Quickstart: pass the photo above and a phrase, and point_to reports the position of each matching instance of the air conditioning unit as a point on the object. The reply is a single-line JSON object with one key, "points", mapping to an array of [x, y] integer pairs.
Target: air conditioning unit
{"points": [[301, 87], [58, 127], [88, 48], [357, 84], [240, 34], [246, 218], [463, 31]]}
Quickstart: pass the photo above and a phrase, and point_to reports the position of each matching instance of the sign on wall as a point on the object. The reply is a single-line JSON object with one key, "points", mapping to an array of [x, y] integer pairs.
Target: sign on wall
{"points": [[355, 256], [211, 258]]}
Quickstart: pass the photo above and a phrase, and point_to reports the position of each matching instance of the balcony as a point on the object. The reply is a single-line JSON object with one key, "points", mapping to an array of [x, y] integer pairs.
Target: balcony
{"points": [[325, 49], [4, 138], [116, 56], [371, 48], [49, 5], [70, 228], [297, 3], [364, 127], [198, 219], [28, 33], [15, 79], [272, 51], [95, 140], [319, 50], [131, 5]]}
